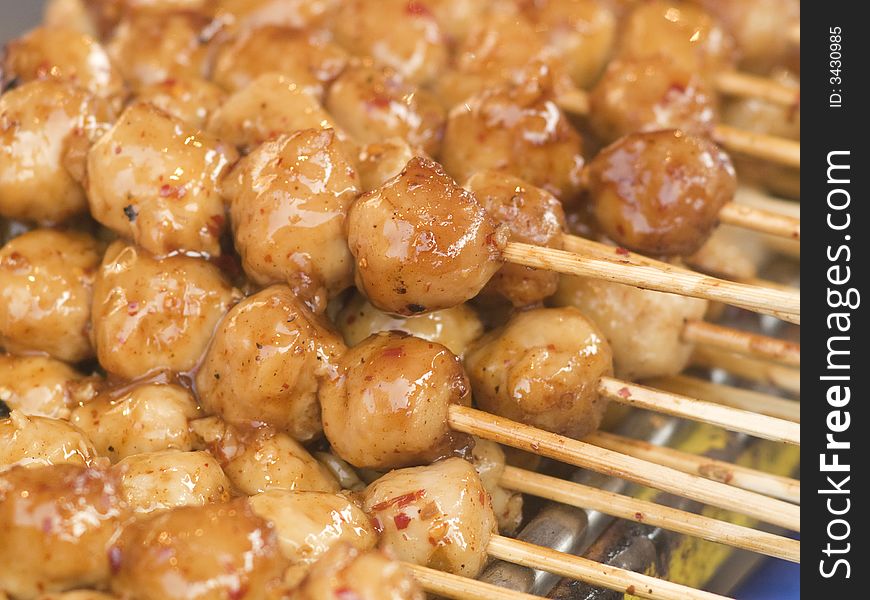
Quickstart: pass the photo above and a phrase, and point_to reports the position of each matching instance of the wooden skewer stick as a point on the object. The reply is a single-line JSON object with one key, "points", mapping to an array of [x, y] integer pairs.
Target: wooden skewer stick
{"points": [[745, 478], [742, 342], [743, 85], [794, 34], [783, 305], [448, 585], [733, 419], [761, 220], [758, 371], [583, 569], [641, 511], [601, 460], [735, 397]]}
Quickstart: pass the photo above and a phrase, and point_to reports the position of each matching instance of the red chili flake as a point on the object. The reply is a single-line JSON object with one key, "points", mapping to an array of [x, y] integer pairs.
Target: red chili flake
{"points": [[402, 521], [630, 590], [379, 101], [174, 191], [346, 594], [238, 593], [638, 516], [376, 523], [169, 82], [115, 559], [622, 251], [393, 353], [132, 308], [400, 501], [624, 393], [117, 149], [418, 9]]}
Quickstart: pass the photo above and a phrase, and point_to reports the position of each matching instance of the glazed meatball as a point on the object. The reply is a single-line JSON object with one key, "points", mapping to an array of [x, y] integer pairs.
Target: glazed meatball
{"points": [[270, 105], [373, 104], [488, 459], [685, 34], [214, 551], [57, 523], [348, 572], [151, 314], [519, 130], [40, 441], [288, 205], [151, 47], [159, 481], [144, 418], [437, 516], [534, 216], [268, 357], [649, 94], [153, 178], [44, 387], [455, 327], [379, 162], [310, 523], [395, 33], [46, 280], [642, 327], [307, 59], [190, 100], [421, 242], [660, 192], [542, 369], [45, 127], [388, 406], [238, 15], [65, 54]]}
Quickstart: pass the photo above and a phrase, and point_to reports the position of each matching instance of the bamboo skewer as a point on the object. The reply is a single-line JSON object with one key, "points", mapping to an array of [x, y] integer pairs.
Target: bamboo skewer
{"points": [[757, 371], [734, 397], [775, 486], [641, 511], [449, 585], [733, 419], [742, 342], [761, 220], [743, 85], [783, 305], [601, 460]]}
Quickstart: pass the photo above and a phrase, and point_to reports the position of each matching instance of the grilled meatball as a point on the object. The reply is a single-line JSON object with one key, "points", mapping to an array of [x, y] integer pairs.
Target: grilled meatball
{"points": [[542, 369], [534, 216], [268, 357], [379, 162], [153, 178], [146, 417], [191, 100], [240, 15], [649, 94], [46, 281], [57, 524], [438, 516], [159, 481], [388, 406], [40, 441], [221, 550], [643, 328], [151, 314], [660, 192], [421, 242], [42, 386], [45, 129], [288, 205]]}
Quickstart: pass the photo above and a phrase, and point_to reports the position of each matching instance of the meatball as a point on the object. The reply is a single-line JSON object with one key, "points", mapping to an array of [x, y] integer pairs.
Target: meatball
{"points": [[395, 33], [46, 280], [151, 314], [542, 368], [159, 481], [488, 459], [151, 47], [44, 387], [307, 59], [270, 105], [65, 54], [455, 327], [373, 104], [519, 130], [421, 242], [660, 192], [388, 406], [685, 34], [57, 523], [239, 15], [348, 572], [288, 205], [438, 516], [45, 126], [649, 94], [268, 357], [379, 162], [40, 441], [144, 418], [534, 216], [215, 551], [642, 327], [310, 523], [191, 100], [153, 178]]}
